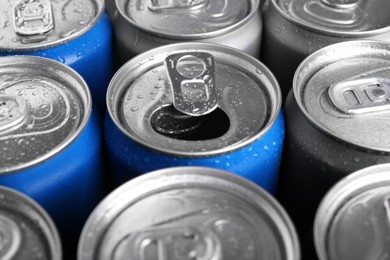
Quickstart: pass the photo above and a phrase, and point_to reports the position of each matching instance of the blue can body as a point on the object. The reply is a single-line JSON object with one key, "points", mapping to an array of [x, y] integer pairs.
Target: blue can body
{"points": [[90, 55], [258, 162]]}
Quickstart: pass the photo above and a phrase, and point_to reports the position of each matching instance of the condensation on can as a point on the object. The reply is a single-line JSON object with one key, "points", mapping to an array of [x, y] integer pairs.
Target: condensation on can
{"points": [[188, 213], [27, 231], [244, 134], [296, 28], [76, 33], [352, 221], [50, 139], [337, 117], [143, 25]]}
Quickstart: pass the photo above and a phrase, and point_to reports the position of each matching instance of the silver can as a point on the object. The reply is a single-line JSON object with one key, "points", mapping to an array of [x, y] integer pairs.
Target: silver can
{"points": [[26, 230], [142, 25], [352, 221], [189, 213], [296, 28]]}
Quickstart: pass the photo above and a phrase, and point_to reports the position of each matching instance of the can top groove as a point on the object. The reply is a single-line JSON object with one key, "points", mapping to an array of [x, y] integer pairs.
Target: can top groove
{"points": [[187, 19], [341, 17], [31, 25], [44, 105]]}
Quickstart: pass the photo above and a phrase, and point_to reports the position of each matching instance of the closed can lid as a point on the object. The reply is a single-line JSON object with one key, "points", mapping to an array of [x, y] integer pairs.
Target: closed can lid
{"points": [[188, 213], [29, 25], [344, 90], [44, 105], [194, 99], [26, 231], [344, 17], [353, 220], [187, 19]]}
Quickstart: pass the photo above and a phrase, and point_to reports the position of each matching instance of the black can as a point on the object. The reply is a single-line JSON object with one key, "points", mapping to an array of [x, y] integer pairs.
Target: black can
{"points": [[337, 122]]}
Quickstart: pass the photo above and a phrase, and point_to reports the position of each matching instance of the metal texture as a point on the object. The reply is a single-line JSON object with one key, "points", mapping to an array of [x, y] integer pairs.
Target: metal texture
{"points": [[297, 28], [323, 142], [49, 139], [352, 221], [27, 231], [76, 33], [142, 25], [188, 213], [243, 135]]}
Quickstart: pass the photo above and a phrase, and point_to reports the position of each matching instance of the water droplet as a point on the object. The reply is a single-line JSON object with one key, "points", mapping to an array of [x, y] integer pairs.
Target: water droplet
{"points": [[134, 109], [277, 29]]}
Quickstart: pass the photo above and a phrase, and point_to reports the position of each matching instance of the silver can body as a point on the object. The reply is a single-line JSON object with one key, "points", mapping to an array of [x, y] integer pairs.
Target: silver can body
{"points": [[352, 221], [240, 29], [188, 213], [27, 231], [291, 32]]}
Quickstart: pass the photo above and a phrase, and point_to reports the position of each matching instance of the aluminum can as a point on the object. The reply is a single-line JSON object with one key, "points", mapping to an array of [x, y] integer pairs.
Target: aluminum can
{"points": [[293, 29], [189, 213], [27, 231], [143, 25], [50, 140], [195, 104], [337, 123], [352, 221], [76, 33]]}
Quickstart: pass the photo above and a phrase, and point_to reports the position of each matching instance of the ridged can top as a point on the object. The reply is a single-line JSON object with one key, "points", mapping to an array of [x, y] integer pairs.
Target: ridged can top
{"points": [[26, 231], [189, 213], [344, 90], [174, 89], [343, 17], [352, 221], [187, 19], [29, 25], [44, 105]]}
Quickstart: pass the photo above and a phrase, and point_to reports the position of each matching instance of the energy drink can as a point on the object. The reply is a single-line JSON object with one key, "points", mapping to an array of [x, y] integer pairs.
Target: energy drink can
{"points": [[352, 221], [27, 231], [76, 33], [195, 104], [49, 139], [142, 25], [189, 213], [337, 119], [296, 28]]}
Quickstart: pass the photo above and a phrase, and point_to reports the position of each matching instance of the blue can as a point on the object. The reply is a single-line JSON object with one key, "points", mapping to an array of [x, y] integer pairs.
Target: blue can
{"points": [[195, 104], [50, 140], [76, 33]]}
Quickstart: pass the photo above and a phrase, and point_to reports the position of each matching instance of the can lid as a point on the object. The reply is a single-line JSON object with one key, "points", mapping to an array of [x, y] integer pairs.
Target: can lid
{"points": [[187, 19], [44, 105], [189, 213], [353, 220], [29, 25], [344, 90], [26, 231], [203, 77], [346, 17]]}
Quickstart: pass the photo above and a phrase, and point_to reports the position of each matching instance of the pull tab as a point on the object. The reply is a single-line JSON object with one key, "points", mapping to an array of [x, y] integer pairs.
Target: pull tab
{"points": [[361, 95], [161, 5], [341, 3], [192, 79], [32, 17], [13, 110], [179, 243]]}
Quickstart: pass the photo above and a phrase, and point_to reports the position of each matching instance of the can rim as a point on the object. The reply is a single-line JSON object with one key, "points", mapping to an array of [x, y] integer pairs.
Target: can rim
{"points": [[298, 98], [85, 104], [254, 8], [351, 185], [44, 46], [139, 59], [329, 31], [183, 177], [55, 247]]}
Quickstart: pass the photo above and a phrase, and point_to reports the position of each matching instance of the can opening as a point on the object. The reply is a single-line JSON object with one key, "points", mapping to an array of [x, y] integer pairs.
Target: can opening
{"points": [[174, 124]]}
